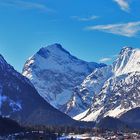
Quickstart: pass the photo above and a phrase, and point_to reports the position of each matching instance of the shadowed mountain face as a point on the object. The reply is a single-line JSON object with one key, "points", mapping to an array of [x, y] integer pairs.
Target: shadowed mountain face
{"points": [[111, 123], [20, 101], [55, 73], [8, 126], [132, 117]]}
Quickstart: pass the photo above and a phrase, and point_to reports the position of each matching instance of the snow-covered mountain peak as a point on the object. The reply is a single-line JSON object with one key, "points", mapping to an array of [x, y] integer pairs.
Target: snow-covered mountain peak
{"points": [[119, 91], [55, 73], [55, 50], [56, 47], [127, 61], [125, 50]]}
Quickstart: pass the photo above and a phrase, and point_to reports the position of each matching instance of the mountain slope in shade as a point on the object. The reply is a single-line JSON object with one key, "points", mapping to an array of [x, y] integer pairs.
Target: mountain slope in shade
{"points": [[55, 73], [20, 101], [120, 91], [8, 126], [110, 123], [132, 117]]}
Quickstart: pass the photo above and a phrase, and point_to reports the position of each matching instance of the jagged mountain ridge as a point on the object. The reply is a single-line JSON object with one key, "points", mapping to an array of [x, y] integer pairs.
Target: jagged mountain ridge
{"points": [[120, 91], [20, 101], [55, 73], [82, 98]]}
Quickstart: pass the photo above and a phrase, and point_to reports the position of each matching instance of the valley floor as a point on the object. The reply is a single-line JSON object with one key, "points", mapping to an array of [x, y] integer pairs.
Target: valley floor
{"points": [[93, 135], [107, 135]]}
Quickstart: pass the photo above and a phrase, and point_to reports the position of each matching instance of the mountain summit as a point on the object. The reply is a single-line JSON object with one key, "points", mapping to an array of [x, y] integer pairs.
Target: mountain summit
{"points": [[55, 73], [127, 61], [56, 50], [118, 90]]}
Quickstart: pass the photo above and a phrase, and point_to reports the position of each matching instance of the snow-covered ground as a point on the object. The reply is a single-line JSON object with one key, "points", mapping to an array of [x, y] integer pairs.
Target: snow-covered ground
{"points": [[80, 137]]}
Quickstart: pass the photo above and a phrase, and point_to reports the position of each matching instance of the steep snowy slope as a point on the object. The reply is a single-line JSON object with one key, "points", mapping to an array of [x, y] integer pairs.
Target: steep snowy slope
{"points": [[83, 95], [128, 61], [19, 100], [55, 73], [120, 91]]}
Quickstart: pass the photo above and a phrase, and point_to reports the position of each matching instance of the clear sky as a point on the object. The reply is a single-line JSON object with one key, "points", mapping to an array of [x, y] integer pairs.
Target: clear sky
{"points": [[93, 30]]}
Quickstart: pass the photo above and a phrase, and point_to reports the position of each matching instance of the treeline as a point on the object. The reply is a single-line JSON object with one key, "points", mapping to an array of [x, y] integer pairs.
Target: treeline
{"points": [[8, 126], [60, 129]]}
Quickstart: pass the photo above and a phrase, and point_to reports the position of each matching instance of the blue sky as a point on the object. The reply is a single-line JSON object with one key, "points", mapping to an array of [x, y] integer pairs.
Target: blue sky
{"points": [[93, 30]]}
